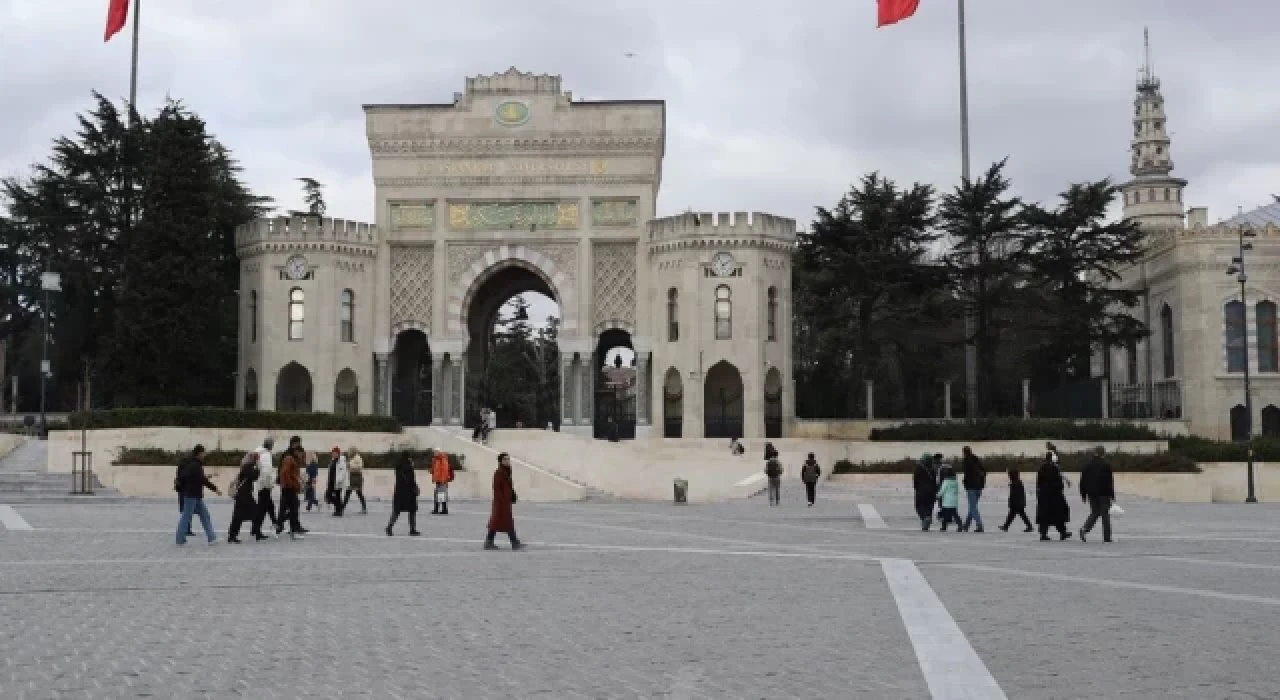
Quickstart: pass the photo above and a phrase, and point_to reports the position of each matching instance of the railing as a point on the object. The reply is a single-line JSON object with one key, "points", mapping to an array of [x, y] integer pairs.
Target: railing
{"points": [[1160, 400]]}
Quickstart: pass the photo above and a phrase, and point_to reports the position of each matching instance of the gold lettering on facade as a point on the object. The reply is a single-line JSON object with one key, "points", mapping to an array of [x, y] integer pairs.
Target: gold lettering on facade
{"points": [[488, 216], [487, 168]]}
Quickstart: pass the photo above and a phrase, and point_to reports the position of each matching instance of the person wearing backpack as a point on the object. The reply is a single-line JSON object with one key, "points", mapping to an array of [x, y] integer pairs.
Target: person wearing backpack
{"points": [[975, 480], [809, 474], [441, 475], [773, 470]]}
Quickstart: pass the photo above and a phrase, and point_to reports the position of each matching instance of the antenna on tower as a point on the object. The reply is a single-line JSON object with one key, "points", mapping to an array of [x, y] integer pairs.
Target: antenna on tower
{"points": [[1148, 72]]}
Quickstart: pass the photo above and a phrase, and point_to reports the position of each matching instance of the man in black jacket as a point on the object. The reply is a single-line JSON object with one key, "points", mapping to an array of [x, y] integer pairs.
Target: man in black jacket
{"points": [[191, 483], [1098, 489], [975, 480]]}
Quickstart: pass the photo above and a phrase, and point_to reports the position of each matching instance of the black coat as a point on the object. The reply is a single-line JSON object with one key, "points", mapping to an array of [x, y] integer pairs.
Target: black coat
{"points": [[405, 496], [975, 477], [191, 478], [926, 485], [1051, 500], [770, 452], [1097, 480], [246, 478], [1017, 495]]}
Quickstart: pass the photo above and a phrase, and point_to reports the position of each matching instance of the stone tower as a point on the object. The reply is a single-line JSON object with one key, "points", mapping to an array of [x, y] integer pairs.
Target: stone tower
{"points": [[1153, 197]]}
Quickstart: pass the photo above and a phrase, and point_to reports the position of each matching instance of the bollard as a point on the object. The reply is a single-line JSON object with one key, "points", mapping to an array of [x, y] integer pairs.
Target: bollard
{"points": [[682, 491]]}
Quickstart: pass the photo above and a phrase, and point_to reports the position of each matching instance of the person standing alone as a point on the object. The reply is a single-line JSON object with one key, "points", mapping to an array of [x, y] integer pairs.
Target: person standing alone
{"points": [[773, 471], [441, 475], [809, 474], [975, 480], [404, 497], [193, 482], [1098, 489]]}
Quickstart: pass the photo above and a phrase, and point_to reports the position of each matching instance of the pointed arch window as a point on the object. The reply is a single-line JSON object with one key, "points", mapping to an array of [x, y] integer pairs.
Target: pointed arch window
{"points": [[773, 314], [724, 313], [1268, 352], [673, 315], [1166, 341], [253, 316], [1237, 352], [297, 313], [347, 317]]}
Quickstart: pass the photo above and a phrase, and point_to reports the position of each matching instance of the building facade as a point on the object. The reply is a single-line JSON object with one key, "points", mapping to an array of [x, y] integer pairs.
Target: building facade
{"points": [[515, 186], [1192, 365]]}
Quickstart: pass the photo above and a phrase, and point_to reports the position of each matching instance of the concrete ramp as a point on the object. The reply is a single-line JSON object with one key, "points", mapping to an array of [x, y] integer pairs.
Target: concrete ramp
{"points": [[532, 483]]}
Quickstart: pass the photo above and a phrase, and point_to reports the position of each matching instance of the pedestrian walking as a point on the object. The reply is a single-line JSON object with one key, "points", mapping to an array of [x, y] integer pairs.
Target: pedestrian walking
{"points": [[1052, 509], [313, 474], [809, 474], [355, 464], [177, 489], [501, 518], [949, 498], [245, 509], [1098, 489], [193, 481], [773, 471], [441, 475], [925, 483], [975, 480], [290, 488], [341, 479], [265, 485], [1017, 501], [404, 497]]}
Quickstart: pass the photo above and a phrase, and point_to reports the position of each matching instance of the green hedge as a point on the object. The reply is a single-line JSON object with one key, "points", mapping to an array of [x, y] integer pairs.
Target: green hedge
{"points": [[1120, 462], [231, 458], [1013, 429], [207, 417], [1205, 450]]}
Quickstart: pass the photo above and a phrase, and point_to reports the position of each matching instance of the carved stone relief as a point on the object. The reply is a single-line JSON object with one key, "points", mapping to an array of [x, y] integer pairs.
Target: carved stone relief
{"points": [[614, 212], [412, 215], [614, 282], [411, 275]]}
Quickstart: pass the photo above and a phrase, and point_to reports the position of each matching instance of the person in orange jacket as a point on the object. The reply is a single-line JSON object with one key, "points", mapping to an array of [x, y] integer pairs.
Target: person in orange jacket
{"points": [[441, 475]]}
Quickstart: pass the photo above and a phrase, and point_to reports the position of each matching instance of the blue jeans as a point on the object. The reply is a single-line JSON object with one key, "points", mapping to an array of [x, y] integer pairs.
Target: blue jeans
{"points": [[194, 506], [973, 515]]}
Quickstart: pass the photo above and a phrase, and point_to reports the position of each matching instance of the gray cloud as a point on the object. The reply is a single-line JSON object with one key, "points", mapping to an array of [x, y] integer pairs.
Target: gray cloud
{"points": [[771, 106]]}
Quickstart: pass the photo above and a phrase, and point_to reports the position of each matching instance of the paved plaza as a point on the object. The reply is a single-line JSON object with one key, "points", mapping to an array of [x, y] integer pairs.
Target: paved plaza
{"points": [[736, 600]]}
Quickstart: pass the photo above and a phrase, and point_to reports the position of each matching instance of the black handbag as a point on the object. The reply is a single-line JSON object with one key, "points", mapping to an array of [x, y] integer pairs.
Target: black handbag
{"points": [[514, 497]]}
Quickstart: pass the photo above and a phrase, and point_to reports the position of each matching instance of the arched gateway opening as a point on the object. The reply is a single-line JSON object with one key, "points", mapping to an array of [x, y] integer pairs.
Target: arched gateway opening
{"points": [[411, 378], [723, 401], [616, 386], [513, 358]]}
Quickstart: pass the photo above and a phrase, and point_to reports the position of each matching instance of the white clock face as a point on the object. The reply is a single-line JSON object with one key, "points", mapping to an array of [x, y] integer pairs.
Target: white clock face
{"points": [[722, 264], [296, 267]]}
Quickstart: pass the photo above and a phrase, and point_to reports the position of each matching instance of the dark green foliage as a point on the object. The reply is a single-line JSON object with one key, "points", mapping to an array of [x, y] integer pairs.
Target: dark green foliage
{"points": [[313, 196], [207, 417], [1203, 450], [521, 380], [1013, 429], [1121, 462], [147, 456]]}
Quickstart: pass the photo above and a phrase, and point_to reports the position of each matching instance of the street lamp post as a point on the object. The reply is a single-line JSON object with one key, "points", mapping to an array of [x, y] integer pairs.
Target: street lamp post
{"points": [[49, 282], [1237, 269]]}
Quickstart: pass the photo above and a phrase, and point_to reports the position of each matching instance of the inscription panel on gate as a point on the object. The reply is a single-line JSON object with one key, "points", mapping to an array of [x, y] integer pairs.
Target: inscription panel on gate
{"points": [[489, 216], [412, 215], [614, 212]]}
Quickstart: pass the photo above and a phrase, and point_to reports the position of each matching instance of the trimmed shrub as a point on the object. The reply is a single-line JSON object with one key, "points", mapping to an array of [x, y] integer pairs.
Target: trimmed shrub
{"points": [[1013, 429], [210, 417], [230, 458], [1121, 462], [1204, 450]]}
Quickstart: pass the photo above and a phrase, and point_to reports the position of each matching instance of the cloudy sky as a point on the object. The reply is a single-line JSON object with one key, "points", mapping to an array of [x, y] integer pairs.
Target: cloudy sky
{"points": [[772, 106]]}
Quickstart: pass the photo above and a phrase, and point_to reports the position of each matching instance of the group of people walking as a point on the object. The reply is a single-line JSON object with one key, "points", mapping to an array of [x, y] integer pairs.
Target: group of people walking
{"points": [[936, 482], [254, 483]]}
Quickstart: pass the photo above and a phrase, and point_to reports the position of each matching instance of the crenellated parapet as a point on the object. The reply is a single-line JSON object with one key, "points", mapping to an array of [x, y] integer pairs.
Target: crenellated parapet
{"points": [[736, 229], [282, 233], [512, 82]]}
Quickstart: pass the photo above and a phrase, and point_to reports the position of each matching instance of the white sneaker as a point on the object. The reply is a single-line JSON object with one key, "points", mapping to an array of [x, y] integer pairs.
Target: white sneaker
{"points": [[297, 536]]}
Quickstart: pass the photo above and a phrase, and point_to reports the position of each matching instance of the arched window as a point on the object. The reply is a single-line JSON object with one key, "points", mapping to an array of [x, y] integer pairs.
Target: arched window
{"points": [[724, 313], [1265, 317], [347, 317], [1166, 341], [253, 316], [673, 315], [297, 313], [1236, 348], [773, 313]]}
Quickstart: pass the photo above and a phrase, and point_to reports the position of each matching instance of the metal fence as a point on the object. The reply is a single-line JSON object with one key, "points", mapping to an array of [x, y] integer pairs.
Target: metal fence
{"points": [[1155, 400]]}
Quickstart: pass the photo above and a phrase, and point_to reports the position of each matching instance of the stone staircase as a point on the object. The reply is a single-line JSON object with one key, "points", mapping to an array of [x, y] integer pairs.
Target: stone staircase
{"points": [[594, 494], [23, 480]]}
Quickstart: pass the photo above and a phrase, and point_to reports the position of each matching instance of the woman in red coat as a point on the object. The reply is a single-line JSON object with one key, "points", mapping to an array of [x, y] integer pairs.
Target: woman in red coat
{"points": [[504, 495]]}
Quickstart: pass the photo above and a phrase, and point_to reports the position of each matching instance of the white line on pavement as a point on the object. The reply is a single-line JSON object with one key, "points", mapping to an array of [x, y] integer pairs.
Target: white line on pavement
{"points": [[1155, 588], [751, 480], [950, 665], [12, 520], [871, 517]]}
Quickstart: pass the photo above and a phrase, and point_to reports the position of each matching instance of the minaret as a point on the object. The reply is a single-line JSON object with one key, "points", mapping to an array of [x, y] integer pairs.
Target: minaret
{"points": [[1153, 197]]}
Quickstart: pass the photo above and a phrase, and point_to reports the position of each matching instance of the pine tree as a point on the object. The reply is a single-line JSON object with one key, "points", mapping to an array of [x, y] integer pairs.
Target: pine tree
{"points": [[313, 196]]}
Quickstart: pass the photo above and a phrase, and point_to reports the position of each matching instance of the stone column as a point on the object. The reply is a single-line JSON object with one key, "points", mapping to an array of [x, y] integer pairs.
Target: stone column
{"points": [[1106, 400], [566, 391], [438, 384], [587, 390], [871, 397], [381, 383], [458, 396], [946, 398], [1026, 398], [642, 388]]}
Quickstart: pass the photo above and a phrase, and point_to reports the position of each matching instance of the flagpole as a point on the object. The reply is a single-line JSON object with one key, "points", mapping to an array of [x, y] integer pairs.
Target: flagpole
{"points": [[133, 69], [970, 348]]}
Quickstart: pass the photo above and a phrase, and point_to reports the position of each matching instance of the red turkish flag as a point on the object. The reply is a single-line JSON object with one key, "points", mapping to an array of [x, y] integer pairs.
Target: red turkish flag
{"points": [[894, 11], [117, 14]]}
